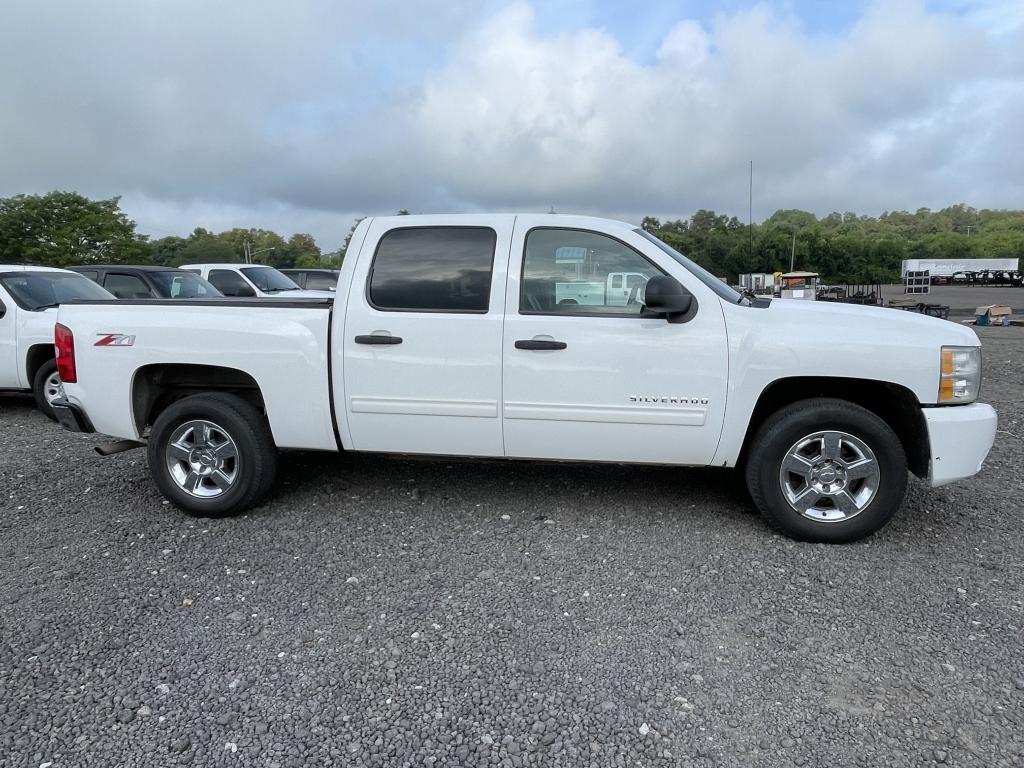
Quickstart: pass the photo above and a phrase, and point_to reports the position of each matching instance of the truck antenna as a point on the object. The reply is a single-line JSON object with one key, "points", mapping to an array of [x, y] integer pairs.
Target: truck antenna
{"points": [[750, 217]]}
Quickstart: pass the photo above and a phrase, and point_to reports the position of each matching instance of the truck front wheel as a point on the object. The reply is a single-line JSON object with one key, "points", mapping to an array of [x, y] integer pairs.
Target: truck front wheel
{"points": [[212, 455], [826, 470], [46, 387]]}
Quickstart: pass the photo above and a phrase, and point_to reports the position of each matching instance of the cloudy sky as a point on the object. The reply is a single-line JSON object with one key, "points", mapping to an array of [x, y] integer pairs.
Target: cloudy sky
{"points": [[300, 115]]}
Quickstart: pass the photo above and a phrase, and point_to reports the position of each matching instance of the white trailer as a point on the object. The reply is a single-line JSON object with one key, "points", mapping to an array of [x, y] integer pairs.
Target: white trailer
{"points": [[949, 267]]}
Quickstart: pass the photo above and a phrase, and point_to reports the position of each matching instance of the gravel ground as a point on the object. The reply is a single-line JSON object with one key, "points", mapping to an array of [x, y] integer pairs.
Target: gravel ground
{"points": [[386, 611]]}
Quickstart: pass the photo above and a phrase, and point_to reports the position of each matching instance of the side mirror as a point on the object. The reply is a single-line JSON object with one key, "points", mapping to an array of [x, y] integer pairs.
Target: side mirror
{"points": [[245, 291], [666, 297]]}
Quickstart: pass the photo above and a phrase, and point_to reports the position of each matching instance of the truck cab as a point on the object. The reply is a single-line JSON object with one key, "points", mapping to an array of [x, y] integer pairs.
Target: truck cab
{"points": [[29, 297], [252, 280], [148, 282]]}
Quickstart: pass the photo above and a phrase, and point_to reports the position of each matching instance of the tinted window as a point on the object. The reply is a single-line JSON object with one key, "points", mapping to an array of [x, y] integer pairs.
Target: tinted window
{"points": [[183, 285], [269, 280], [127, 286], [433, 269], [574, 272], [230, 283], [36, 290], [91, 273], [320, 282]]}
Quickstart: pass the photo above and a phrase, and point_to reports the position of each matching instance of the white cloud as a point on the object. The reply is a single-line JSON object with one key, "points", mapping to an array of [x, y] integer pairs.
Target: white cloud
{"points": [[309, 113], [865, 121]]}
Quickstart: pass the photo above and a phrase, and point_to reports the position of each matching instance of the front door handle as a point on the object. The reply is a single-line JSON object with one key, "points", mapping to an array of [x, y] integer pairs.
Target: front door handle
{"points": [[373, 338], [540, 344]]}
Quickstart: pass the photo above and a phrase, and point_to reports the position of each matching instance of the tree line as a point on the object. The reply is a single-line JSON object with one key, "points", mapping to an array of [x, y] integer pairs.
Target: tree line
{"points": [[66, 228]]}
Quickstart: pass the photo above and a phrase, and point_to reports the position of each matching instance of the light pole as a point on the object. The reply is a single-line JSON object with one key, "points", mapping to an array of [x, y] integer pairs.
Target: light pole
{"points": [[249, 252]]}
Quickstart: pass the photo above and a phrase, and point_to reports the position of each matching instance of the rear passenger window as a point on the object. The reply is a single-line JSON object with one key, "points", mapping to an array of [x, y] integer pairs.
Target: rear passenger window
{"points": [[319, 282], [433, 269], [229, 283], [126, 286]]}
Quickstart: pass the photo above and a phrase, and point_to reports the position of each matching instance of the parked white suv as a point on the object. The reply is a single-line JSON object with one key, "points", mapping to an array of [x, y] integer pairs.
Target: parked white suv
{"points": [[29, 297], [459, 335], [248, 280]]}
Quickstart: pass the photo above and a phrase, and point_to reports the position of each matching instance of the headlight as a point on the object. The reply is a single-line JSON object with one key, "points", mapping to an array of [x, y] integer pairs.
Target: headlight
{"points": [[960, 377]]}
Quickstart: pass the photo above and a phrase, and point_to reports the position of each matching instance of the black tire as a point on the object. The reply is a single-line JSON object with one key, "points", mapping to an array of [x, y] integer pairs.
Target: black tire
{"points": [[785, 428], [253, 469], [46, 370]]}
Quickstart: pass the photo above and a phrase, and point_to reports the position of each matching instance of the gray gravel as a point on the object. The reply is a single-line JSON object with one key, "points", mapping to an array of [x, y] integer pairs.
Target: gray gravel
{"points": [[385, 611]]}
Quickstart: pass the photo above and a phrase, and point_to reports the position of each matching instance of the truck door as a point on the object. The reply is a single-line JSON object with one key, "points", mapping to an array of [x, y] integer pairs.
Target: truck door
{"points": [[598, 381], [422, 337], [8, 343]]}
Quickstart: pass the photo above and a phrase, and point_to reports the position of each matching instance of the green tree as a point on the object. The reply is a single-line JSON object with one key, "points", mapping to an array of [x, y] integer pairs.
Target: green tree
{"points": [[62, 228], [202, 246]]}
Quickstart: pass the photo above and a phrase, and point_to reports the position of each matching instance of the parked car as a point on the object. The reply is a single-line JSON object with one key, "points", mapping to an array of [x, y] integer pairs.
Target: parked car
{"points": [[29, 297], [246, 280], [452, 342], [316, 279], [149, 282]]}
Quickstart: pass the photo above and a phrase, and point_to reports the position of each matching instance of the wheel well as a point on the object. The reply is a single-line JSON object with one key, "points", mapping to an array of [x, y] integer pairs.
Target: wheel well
{"points": [[36, 358], [157, 386], [897, 406]]}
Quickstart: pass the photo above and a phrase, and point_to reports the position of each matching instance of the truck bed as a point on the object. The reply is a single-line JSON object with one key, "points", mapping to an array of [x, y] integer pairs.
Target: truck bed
{"points": [[261, 337]]}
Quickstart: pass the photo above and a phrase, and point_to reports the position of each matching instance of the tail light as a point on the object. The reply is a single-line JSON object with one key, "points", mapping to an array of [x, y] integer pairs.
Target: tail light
{"points": [[64, 342]]}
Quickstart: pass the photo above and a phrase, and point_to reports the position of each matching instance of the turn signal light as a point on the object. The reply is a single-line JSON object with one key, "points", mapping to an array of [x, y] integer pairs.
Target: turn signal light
{"points": [[959, 374], [64, 343]]}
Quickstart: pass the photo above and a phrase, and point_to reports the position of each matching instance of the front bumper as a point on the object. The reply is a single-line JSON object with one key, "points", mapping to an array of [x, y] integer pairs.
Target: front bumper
{"points": [[959, 437], [71, 416]]}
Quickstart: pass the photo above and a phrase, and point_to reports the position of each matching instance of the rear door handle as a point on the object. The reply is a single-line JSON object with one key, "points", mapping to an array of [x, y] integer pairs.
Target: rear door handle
{"points": [[373, 338], [539, 344]]}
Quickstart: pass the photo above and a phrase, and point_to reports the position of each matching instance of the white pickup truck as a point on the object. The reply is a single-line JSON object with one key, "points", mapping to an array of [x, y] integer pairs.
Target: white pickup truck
{"points": [[447, 338], [29, 297]]}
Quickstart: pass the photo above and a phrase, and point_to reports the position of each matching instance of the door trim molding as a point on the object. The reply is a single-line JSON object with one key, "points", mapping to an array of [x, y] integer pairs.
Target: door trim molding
{"points": [[692, 416], [407, 406]]}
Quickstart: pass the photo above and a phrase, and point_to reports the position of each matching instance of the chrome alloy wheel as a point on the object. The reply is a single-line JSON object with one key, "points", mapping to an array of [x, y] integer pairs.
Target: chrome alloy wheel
{"points": [[829, 476], [53, 389], [202, 459]]}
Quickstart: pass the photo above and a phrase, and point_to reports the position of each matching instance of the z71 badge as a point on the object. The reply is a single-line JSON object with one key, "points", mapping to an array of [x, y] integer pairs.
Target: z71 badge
{"points": [[114, 340]]}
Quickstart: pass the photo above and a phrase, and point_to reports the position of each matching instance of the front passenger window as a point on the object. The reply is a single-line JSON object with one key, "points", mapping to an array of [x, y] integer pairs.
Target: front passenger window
{"points": [[576, 272]]}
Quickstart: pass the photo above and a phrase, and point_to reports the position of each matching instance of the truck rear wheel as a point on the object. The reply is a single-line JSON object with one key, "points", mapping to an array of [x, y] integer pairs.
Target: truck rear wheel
{"points": [[826, 470], [212, 455]]}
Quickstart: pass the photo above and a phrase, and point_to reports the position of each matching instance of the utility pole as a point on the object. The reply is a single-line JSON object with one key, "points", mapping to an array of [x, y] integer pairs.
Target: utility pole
{"points": [[792, 253], [969, 230]]}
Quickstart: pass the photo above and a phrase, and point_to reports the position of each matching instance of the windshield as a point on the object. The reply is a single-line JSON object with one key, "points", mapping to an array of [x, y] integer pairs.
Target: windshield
{"points": [[269, 280], [698, 271], [39, 290], [183, 285]]}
